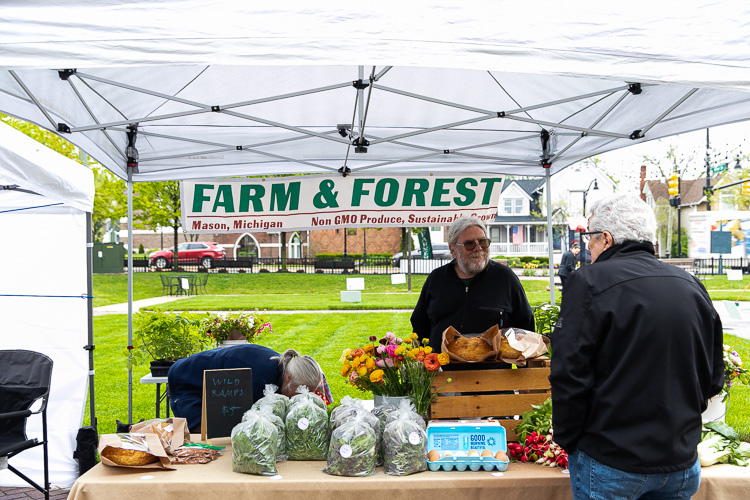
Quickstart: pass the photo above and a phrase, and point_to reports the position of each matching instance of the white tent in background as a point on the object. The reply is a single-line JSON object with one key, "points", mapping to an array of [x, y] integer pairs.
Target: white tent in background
{"points": [[188, 89], [43, 290]]}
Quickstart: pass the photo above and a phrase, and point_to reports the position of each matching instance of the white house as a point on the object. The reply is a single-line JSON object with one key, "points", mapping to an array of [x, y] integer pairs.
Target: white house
{"points": [[520, 227]]}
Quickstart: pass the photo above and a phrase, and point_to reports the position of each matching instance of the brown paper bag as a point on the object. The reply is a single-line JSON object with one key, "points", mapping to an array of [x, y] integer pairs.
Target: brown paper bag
{"points": [[528, 344], [470, 348], [119, 450], [173, 432]]}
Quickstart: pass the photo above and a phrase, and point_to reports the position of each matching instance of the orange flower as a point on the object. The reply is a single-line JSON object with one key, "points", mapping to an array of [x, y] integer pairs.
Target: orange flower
{"points": [[421, 356], [370, 363], [444, 358], [362, 371], [368, 348], [431, 362], [346, 369], [358, 352], [376, 376]]}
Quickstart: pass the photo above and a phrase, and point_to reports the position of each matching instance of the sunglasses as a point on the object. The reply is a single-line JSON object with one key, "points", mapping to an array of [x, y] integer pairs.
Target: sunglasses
{"points": [[484, 243]]}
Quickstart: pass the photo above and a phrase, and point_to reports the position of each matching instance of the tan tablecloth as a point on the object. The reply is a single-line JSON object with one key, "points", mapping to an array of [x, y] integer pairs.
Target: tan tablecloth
{"points": [[301, 479]]}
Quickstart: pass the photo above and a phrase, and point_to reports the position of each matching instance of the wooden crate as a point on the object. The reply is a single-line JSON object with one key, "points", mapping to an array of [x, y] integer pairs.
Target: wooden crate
{"points": [[479, 396]]}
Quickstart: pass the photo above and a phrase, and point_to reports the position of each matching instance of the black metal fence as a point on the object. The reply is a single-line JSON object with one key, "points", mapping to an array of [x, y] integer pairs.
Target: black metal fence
{"points": [[370, 265], [720, 265]]}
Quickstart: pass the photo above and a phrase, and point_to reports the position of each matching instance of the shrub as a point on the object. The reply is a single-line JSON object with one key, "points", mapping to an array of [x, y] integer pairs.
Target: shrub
{"points": [[140, 248]]}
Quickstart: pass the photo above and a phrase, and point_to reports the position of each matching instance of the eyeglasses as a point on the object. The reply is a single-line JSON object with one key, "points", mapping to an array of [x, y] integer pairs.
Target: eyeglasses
{"points": [[586, 235], [484, 243]]}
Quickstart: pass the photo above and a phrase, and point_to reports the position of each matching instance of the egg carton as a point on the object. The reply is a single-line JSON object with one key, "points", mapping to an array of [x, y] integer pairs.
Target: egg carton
{"points": [[464, 443], [471, 463]]}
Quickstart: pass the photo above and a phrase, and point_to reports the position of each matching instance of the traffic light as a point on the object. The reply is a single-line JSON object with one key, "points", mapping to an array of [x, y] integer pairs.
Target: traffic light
{"points": [[746, 188], [673, 185]]}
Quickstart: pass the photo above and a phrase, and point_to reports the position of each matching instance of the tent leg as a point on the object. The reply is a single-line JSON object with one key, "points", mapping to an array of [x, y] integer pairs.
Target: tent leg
{"points": [[90, 299], [549, 238], [130, 293]]}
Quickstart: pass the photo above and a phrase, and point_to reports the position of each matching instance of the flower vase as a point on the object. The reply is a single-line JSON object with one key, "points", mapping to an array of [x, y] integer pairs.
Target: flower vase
{"points": [[230, 343], [379, 400], [717, 408]]}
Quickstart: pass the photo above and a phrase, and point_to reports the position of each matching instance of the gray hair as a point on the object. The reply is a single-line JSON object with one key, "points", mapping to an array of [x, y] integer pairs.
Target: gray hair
{"points": [[462, 224], [304, 370], [626, 217]]}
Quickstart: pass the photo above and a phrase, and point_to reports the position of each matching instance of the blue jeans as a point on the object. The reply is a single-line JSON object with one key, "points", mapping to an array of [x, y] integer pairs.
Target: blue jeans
{"points": [[592, 479]]}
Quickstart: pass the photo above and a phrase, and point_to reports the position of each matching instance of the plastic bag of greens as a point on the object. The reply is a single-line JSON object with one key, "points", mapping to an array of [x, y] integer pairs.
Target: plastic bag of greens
{"points": [[382, 412], [407, 409], [304, 393], [306, 430], [356, 410], [352, 448], [346, 403], [254, 445], [280, 426], [278, 402], [404, 446]]}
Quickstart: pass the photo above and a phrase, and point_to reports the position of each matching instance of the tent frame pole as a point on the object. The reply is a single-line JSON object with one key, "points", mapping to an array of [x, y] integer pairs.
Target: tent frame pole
{"points": [[130, 293], [551, 264]]}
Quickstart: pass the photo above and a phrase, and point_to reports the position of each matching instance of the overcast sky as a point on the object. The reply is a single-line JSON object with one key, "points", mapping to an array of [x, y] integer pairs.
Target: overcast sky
{"points": [[726, 143]]}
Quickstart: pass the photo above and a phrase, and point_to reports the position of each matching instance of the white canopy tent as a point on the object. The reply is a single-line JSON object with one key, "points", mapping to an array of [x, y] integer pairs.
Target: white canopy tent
{"points": [[188, 89], [44, 293]]}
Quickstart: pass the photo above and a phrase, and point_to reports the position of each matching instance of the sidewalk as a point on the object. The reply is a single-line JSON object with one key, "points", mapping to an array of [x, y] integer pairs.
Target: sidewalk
{"points": [[8, 492]]}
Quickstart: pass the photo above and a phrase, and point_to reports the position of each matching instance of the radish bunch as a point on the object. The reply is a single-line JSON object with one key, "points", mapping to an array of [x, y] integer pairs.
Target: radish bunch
{"points": [[538, 449]]}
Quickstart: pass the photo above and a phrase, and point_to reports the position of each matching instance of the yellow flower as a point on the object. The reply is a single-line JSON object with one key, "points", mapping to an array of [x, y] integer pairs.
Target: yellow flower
{"points": [[344, 354], [412, 353], [355, 363], [413, 336], [362, 371], [376, 376], [428, 350], [443, 358], [400, 350], [370, 363], [346, 369], [368, 348]]}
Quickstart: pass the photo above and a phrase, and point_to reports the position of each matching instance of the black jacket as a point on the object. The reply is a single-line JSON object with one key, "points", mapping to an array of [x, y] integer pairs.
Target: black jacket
{"points": [[567, 264], [636, 353], [494, 297]]}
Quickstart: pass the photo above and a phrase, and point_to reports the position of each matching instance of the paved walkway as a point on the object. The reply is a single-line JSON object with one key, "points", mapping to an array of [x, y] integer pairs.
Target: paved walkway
{"points": [[8, 493]]}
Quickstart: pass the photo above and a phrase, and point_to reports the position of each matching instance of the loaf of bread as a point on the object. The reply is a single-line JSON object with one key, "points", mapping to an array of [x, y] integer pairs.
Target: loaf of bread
{"points": [[122, 456], [506, 351], [473, 349]]}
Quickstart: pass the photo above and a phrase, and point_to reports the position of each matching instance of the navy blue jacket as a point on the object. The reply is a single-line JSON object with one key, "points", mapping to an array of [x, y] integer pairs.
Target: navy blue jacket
{"points": [[186, 376]]}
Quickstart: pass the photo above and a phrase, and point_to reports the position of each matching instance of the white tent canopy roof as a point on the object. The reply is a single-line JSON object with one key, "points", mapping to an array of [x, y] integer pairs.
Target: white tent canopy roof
{"points": [[29, 165], [223, 89]]}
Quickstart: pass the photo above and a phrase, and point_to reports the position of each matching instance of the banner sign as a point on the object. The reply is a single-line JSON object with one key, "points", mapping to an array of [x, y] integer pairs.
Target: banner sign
{"points": [[425, 243], [323, 202]]}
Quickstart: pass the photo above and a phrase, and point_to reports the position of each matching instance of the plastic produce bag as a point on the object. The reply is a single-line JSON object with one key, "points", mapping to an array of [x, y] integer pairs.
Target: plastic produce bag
{"points": [[267, 410], [304, 393], [306, 430], [352, 448], [406, 410], [278, 402], [404, 446], [254, 445]]}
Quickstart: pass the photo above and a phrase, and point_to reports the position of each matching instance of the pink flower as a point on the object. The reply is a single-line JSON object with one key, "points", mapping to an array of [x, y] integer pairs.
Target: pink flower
{"points": [[391, 349], [390, 337], [380, 349], [389, 362], [380, 363]]}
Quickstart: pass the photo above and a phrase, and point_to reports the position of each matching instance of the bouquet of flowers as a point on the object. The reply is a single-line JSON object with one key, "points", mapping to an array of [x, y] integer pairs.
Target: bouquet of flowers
{"points": [[733, 370], [392, 366], [248, 326]]}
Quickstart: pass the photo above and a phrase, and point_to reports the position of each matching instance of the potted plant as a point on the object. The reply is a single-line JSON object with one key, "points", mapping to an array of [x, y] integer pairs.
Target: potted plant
{"points": [[233, 329], [164, 338]]}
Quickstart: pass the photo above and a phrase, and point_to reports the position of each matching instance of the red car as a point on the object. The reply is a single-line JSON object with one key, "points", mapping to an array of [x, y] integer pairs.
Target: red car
{"points": [[204, 252]]}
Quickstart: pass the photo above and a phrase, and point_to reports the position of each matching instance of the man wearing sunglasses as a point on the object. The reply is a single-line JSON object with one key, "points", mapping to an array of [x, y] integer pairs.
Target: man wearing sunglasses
{"points": [[471, 293], [637, 352]]}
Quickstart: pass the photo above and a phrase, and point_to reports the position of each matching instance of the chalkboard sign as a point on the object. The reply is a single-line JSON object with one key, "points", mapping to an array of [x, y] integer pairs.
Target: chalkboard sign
{"points": [[227, 395], [721, 242]]}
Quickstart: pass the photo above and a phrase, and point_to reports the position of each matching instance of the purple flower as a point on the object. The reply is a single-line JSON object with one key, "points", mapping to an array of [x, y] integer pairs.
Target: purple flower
{"points": [[373, 338]]}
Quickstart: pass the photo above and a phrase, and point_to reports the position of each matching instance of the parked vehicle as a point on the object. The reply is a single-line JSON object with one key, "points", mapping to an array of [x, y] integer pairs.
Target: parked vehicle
{"points": [[439, 251], [204, 252]]}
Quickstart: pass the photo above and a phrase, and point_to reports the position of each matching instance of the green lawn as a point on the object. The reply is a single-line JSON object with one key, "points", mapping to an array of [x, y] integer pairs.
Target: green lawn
{"points": [[323, 336]]}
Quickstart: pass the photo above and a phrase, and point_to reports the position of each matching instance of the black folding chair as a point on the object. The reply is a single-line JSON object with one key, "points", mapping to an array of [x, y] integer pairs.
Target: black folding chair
{"points": [[168, 285], [25, 379]]}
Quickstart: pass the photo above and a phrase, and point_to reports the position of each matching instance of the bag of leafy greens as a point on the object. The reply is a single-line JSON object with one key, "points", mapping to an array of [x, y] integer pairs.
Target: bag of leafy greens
{"points": [[352, 448], [280, 426], [407, 409], [278, 402], [346, 403], [306, 430], [404, 446], [382, 412], [254, 445], [304, 393]]}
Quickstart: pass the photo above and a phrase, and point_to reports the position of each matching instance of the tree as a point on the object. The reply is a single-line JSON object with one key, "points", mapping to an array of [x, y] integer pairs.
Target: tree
{"points": [[156, 205], [732, 196], [110, 201]]}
